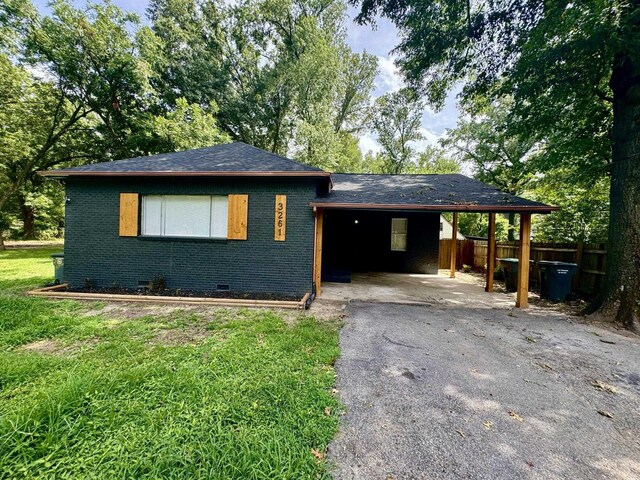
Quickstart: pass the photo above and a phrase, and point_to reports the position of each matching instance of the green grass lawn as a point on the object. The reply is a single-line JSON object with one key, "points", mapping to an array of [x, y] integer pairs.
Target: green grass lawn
{"points": [[215, 393]]}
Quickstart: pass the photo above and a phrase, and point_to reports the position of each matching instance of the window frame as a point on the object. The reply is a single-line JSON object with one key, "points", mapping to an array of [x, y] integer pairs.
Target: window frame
{"points": [[163, 217], [397, 234]]}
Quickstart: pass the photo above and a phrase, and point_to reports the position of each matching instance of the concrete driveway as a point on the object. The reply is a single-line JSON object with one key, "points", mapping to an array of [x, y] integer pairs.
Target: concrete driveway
{"points": [[417, 289], [445, 391]]}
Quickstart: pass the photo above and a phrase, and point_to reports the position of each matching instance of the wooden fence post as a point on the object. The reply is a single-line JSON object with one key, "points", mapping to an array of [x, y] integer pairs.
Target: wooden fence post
{"points": [[576, 278]]}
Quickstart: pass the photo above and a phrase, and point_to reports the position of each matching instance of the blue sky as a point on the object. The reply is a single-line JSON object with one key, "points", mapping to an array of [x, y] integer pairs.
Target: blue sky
{"points": [[378, 42]]}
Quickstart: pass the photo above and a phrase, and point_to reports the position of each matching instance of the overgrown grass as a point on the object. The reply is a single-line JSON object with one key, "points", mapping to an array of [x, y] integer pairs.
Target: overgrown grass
{"points": [[222, 394]]}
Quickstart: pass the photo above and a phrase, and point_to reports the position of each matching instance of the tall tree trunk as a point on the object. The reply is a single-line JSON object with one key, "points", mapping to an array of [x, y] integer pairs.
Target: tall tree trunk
{"points": [[511, 234], [620, 298], [28, 219], [2, 245]]}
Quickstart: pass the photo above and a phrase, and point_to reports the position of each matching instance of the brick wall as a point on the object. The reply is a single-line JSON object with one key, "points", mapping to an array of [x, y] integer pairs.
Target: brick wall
{"points": [[93, 249]]}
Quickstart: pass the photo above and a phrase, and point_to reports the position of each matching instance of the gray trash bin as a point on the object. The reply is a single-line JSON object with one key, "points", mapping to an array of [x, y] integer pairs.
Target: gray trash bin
{"points": [[58, 266]]}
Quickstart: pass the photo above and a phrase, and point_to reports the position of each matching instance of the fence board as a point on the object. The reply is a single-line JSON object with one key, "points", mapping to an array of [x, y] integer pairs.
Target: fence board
{"points": [[591, 265]]}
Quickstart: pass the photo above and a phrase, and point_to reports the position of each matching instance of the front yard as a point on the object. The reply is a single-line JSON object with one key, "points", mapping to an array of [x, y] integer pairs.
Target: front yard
{"points": [[97, 391]]}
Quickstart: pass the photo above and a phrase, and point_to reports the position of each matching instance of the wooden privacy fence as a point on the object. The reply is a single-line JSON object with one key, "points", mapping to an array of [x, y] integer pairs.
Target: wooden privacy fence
{"points": [[464, 252], [590, 257]]}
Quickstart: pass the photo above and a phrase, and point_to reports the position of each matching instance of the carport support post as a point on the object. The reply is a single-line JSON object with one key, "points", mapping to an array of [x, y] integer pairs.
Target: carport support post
{"points": [[454, 244], [522, 295], [491, 252], [317, 252]]}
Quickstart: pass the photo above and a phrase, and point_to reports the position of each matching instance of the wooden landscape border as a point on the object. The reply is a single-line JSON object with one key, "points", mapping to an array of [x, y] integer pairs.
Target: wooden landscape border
{"points": [[54, 292]]}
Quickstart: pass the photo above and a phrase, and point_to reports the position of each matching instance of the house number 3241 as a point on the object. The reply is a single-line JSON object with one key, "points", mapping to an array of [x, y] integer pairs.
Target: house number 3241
{"points": [[281, 218]]}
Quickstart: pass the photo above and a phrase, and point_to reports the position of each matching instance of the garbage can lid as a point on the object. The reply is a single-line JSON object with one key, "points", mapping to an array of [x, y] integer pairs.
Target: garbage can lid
{"points": [[551, 263], [509, 260], [57, 255]]}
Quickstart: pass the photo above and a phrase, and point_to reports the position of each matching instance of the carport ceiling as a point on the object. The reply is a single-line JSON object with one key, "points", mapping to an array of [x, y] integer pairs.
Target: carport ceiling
{"points": [[445, 192]]}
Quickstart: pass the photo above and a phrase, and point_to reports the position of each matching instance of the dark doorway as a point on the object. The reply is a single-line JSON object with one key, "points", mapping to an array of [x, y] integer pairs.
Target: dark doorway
{"points": [[378, 241]]}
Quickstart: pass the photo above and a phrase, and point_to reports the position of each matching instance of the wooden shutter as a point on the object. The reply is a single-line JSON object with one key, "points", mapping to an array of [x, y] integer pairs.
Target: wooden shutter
{"points": [[128, 215], [237, 217], [281, 218]]}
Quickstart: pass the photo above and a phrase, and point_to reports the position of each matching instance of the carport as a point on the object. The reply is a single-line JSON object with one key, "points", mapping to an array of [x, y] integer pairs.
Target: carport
{"points": [[390, 223]]}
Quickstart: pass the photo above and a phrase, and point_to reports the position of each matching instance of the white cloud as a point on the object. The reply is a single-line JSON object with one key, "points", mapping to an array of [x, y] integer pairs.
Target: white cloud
{"points": [[368, 144], [389, 78], [377, 40], [429, 139]]}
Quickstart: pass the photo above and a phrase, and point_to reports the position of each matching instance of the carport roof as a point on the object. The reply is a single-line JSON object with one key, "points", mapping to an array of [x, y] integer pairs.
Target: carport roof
{"points": [[442, 192]]}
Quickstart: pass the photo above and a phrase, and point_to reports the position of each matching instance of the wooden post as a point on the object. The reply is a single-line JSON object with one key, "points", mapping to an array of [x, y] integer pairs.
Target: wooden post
{"points": [[317, 254], [454, 244], [522, 294], [491, 252], [579, 253]]}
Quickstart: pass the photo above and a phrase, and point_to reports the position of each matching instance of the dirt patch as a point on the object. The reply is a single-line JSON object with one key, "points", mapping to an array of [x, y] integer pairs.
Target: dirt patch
{"points": [[327, 309], [572, 307], [53, 347], [171, 292], [118, 312], [122, 311], [40, 346], [190, 335]]}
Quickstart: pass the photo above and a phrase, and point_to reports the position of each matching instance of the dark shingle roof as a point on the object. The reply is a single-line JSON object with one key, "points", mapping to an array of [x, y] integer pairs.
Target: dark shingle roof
{"points": [[429, 192], [228, 158]]}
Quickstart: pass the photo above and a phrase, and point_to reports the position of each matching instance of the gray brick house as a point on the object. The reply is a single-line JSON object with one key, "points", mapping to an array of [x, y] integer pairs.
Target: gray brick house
{"points": [[234, 217]]}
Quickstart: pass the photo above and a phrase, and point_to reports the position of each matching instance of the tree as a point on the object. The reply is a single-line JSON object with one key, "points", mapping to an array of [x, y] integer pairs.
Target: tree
{"points": [[355, 83], [39, 129], [497, 154], [572, 67], [434, 160], [92, 56], [396, 122], [477, 225], [186, 126], [185, 47], [584, 208], [87, 76], [279, 70]]}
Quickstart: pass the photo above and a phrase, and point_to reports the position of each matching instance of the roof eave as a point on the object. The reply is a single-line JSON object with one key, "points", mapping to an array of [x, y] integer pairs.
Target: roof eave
{"points": [[65, 174], [543, 209]]}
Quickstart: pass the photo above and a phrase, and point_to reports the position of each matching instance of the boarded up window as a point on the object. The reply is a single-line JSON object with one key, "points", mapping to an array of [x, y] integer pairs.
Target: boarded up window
{"points": [[128, 215], [399, 234], [238, 214], [281, 218]]}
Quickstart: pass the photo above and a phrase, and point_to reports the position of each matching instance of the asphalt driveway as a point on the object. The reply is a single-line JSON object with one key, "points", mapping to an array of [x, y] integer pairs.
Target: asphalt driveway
{"points": [[452, 392]]}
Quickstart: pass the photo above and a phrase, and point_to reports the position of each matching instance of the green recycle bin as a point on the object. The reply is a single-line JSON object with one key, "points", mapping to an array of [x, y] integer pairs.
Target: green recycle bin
{"points": [[510, 269], [556, 279], [58, 266]]}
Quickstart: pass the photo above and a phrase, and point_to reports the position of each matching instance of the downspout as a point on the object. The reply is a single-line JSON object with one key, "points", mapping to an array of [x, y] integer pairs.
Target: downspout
{"points": [[311, 298]]}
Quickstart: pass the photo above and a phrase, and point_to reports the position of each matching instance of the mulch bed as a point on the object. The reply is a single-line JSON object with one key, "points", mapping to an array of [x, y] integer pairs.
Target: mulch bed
{"points": [[167, 292]]}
